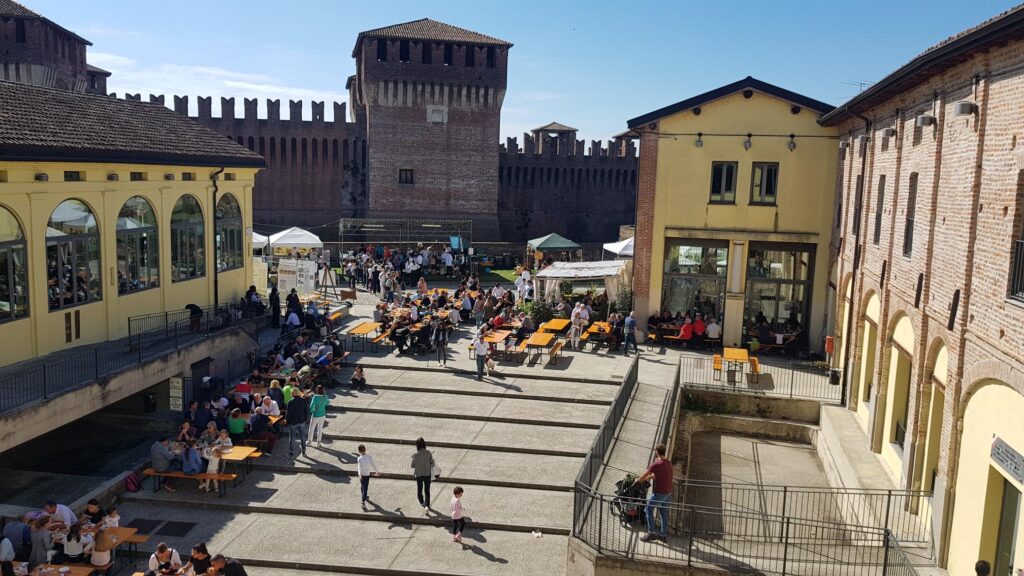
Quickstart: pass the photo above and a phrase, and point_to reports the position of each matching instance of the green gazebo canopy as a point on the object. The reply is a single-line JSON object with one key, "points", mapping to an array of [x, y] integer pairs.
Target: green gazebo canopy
{"points": [[552, 242]]}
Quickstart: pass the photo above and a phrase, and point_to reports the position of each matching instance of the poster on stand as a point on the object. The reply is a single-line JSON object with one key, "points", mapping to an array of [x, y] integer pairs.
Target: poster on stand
{"points": [[260, 276], [287, 276], [305, 278]]}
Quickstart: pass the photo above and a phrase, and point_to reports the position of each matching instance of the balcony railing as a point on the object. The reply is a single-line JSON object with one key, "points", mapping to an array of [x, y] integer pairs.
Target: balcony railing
{"points": [[1017, 271]]}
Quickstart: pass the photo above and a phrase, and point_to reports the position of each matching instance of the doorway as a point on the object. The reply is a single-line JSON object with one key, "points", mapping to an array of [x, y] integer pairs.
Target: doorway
{"points": [[1009, 515]]}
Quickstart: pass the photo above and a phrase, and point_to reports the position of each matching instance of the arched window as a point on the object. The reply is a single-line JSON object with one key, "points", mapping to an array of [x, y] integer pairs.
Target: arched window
{"points": [[188, 247], [13, 268], [229, 234], [72, 255], [138, 249]]}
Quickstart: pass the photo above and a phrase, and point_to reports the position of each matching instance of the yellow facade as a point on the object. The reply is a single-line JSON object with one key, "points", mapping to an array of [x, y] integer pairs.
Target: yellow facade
{"points": [[801, 215], [32, 201], [993, 411]]}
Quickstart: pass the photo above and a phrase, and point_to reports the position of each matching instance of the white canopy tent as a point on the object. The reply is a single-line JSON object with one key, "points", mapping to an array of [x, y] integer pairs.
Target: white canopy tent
{"points": [[259, 240], [295, 238], [622, 248], [615, 274]]}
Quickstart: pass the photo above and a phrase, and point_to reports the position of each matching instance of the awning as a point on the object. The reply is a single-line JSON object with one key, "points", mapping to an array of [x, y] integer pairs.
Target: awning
{"points": [[621, 248], [552, 242], [259, 240], [614, 273], [295, 238]]}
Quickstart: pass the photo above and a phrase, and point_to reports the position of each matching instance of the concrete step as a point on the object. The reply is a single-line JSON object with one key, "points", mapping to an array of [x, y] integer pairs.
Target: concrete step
{"points": [[499, 393], [511, 386], [474, 432], [486, 408], [470, 465], [393, 500], [331, 438], [336, 545]]}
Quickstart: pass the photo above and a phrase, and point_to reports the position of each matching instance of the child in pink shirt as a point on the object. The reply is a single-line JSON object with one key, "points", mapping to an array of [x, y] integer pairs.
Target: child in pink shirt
{"points": [[458, 522]]}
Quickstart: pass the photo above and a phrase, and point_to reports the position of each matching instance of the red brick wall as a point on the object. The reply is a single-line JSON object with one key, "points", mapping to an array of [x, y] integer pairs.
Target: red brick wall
{"points": [[645, 214]]}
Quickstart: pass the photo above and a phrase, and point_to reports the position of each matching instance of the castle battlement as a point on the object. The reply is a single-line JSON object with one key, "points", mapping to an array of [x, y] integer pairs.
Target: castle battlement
{"points": [[251, 111], [617, 149]]}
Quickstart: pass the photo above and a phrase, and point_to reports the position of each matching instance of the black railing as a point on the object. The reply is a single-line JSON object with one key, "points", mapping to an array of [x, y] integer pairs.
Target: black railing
{"points": [[906, 513], [1017, 271], [770, 379], [741, 542], [44, 378]]}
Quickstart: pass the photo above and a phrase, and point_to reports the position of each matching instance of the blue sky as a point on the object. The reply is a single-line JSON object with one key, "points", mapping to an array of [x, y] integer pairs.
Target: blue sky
{"points": [[592, 65]]}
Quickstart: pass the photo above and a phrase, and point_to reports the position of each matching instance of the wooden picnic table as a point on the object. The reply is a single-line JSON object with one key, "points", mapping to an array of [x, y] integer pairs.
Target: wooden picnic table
{"points": [[540, 340], [557, 324], [600, 328], [239, 456], [360, 332], [735, 356], [497, 336], [273, 419]]}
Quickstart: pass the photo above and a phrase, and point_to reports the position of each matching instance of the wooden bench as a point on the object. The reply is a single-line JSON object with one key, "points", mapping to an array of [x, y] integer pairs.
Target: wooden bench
{"points": [[376, 342], [711, 343], [220, 478], [674, 340], [521, 351], [716, 364], [755, 369], [652, 339], [584, 338], [555, 352], [255, 442]]}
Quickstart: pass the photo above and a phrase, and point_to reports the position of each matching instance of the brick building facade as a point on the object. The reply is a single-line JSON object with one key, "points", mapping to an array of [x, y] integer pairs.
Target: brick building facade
{"points": [[930, 337]]}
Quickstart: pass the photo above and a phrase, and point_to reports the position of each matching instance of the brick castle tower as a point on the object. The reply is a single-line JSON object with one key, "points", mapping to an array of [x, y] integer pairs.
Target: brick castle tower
{"points": [[430, 96]]}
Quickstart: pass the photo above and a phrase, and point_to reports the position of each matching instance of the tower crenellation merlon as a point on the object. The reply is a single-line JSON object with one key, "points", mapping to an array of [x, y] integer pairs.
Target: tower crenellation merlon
{"points": [[228, 113], [617, 149]]}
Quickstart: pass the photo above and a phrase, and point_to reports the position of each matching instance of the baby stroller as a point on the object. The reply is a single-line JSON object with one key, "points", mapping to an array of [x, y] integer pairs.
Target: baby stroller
{"points": [[630, 499]]}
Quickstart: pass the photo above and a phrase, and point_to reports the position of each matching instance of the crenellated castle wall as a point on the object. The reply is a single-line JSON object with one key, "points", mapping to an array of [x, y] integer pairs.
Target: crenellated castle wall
{"points": [[316, 170], [582, 194]]}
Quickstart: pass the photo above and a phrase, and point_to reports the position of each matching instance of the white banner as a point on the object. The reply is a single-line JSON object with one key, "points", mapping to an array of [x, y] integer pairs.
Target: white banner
{"points": [[260, 276], [287, 276]]}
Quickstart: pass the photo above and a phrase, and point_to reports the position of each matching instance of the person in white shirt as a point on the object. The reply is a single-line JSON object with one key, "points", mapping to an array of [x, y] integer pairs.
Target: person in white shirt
{"points": [[165, 560], [713, 331], [366, 468], [454, 317], [6, 550], [270, 407], [498, 291], [414, 314], [61, 517], [446, 261]]}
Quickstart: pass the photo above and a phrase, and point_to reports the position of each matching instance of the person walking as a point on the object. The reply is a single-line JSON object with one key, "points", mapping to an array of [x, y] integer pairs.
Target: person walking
{"points": [[366, 467], [298, 421], [439, 337], [318, 414], [275, 308], [577, 326], [480, 349], [423, 468], [458, 521], [661, 493], [629, 332]]}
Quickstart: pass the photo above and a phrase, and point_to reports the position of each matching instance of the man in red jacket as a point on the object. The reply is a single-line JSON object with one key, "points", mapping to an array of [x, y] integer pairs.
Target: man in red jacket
{"points": [[661, 493]]}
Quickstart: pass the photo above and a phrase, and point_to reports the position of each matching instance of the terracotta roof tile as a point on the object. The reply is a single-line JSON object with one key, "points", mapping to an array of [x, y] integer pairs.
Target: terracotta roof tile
{"points": [[43, 123], [555, 127], [12, 8]]}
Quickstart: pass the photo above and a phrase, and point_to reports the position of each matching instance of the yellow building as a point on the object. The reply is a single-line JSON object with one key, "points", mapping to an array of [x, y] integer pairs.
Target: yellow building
{"points": [[734, 210], [107, 211]]}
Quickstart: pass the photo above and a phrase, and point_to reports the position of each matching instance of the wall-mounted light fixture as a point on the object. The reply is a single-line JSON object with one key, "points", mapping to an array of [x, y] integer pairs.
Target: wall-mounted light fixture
{"points": [[792, 142], [42, 177], [844, 144], [888, 132], [700, 142], [747, 143], [862, 139], [113, 177], [168, 176], [964, 108], [924, 120]]}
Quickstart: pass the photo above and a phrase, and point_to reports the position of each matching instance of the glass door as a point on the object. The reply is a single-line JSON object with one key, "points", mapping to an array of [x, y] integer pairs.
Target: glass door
{"points": [[1009, 516]]}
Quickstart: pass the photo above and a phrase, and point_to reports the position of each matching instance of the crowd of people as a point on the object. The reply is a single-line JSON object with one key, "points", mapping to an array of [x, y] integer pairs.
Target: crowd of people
{"points": [[56, 535]]}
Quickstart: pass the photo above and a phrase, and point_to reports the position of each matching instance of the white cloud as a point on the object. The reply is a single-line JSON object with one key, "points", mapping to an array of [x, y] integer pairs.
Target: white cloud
{"points": [[194, 81]]}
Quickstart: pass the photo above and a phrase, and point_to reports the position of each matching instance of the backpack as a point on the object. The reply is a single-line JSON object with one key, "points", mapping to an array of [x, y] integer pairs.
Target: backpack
{"points": [[132, 482]]}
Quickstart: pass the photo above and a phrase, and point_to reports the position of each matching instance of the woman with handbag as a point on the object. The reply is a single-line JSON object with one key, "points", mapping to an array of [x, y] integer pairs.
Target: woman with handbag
{"points": [[424, 468]]}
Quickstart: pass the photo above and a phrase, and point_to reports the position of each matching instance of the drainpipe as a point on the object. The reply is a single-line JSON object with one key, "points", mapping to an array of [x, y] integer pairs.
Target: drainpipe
{"points": [[856, 263], [213, 218]]}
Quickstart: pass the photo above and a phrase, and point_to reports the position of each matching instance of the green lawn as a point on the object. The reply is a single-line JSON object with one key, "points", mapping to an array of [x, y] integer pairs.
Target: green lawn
{"points": [[487, 278]]}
